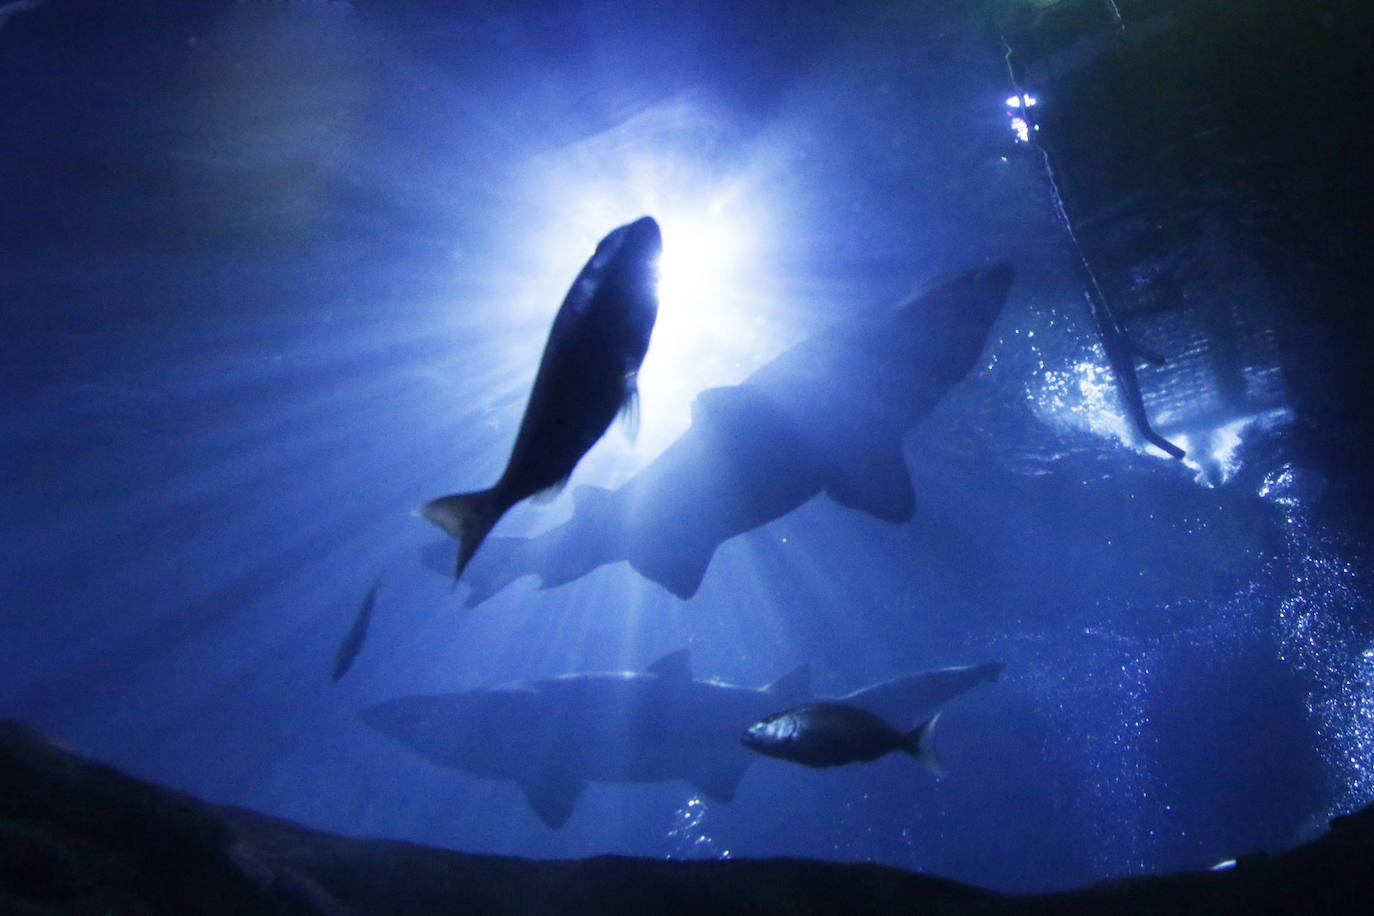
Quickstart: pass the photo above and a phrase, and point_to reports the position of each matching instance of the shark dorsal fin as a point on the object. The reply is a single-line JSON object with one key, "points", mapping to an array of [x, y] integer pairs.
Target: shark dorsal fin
{"points": [[675, 666], [794, 686]]}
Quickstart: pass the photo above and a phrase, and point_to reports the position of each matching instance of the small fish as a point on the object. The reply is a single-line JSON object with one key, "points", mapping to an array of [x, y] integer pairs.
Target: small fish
{"points": [[833, 734], [353, 641], [586, 376]]}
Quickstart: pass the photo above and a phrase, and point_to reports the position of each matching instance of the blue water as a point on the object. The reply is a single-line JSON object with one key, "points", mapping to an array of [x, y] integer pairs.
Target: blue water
{"points": [[275, 274]]}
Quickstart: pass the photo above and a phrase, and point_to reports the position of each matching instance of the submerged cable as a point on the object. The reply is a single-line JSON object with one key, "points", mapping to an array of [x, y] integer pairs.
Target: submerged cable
{"points": [[1120, 349]]}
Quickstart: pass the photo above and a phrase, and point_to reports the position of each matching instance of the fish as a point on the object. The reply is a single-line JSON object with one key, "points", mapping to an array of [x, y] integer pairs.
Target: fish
{"points": [[554, 736], [834, 734], [827, 416], [353, 640], [587, 375]]}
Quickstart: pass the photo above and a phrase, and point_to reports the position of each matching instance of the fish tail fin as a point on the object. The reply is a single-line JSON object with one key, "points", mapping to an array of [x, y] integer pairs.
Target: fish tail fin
{"points": [[467, 517], [917, 743]]}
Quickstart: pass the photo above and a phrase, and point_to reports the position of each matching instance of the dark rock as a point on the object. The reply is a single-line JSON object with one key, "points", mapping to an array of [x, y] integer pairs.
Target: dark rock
{"points": [[79, 837]]}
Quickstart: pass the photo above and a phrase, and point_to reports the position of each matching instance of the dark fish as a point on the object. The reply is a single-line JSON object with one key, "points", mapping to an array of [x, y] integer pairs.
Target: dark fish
{"points": [[353, 641], [827, 416], [586, 376], [833, 734]]}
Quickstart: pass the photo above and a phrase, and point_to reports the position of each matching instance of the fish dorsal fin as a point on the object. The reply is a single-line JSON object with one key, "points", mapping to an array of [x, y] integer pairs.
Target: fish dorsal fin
{"points": [[793, 687], [675, 666]]}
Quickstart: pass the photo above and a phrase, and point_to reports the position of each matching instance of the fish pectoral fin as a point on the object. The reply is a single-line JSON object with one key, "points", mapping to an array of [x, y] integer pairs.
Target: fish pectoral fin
{"points": [[717, 777], [552, 795], [629, 408], [877, 483]]}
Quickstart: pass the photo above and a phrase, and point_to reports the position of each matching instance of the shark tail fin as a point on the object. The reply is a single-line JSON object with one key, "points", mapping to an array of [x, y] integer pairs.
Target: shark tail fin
{"points": [[917, 743], [468, 517]]}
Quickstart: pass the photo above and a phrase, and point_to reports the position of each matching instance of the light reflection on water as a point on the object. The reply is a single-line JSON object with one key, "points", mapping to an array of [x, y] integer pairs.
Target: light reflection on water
{"points": [[689, 836], [1316, 637]]}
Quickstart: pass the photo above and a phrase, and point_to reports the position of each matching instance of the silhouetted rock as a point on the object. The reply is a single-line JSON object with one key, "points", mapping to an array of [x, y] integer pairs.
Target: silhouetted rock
{"points": [[80, 837]]}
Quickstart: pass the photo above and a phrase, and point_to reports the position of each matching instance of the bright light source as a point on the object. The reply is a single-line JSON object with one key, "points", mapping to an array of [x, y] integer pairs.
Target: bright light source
{"points": [[714, 225], [1019, 123], [703, 257]]}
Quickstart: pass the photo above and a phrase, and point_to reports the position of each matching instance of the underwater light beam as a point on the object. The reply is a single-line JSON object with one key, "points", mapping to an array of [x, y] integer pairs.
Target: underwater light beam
{"points": [[715, 224]]}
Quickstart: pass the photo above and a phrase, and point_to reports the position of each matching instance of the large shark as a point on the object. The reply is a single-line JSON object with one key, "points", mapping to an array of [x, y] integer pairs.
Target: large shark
{"points": [[827, 416], [555, 736]]}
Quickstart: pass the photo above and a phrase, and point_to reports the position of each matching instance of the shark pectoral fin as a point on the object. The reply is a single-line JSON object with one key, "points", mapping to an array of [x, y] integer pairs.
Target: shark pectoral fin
{"points": [[501, 562], [719, 774], [629, 408], [677, 567], [878, 483], [792, 688], [552, 795]]}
